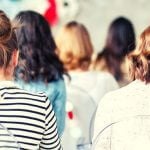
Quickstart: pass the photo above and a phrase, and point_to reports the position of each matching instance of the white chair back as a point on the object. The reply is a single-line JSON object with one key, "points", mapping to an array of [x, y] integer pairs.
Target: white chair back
{"points": [[7, 140], [80, 110], [131, 133]]}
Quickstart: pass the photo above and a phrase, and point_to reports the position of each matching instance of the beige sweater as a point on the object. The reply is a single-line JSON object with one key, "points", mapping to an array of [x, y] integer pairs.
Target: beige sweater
{"points": [[129, 101]]}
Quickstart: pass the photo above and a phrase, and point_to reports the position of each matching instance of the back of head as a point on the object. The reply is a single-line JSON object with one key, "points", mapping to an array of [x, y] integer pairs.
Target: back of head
{"points": [[8, 40], [37, 49], [121, 37], [35, 30], [119, 42], [74, 46], [140, 58]]}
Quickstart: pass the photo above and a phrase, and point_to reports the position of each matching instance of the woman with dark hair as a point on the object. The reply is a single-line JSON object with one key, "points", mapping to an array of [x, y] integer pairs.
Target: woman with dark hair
{"points": [[28, 117], [120, 41], [39, 68]]}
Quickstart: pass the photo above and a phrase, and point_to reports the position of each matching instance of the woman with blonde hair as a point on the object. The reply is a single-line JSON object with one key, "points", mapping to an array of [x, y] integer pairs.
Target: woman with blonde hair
{"points": [[133, 99], [75, 50], [28, 117]]}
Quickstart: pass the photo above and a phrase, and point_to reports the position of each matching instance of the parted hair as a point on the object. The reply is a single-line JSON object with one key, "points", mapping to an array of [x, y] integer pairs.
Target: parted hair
{"points": [[8, 40], [139, 59], [74, 46]]}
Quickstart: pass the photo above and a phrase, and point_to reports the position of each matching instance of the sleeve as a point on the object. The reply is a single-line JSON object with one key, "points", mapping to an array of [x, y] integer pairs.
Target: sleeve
{"points": [[59, 105], [50, 140]]}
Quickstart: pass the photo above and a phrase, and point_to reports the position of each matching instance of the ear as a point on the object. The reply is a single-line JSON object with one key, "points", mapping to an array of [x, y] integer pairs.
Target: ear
{"points": [[15, 57]]}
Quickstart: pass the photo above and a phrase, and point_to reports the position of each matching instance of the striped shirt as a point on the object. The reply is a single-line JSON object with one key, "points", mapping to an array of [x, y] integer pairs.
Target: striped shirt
{"points": [[29, 117]]}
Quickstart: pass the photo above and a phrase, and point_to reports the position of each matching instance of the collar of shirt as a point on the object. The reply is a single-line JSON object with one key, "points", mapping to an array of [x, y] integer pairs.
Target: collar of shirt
{"points": [[7, 83]]}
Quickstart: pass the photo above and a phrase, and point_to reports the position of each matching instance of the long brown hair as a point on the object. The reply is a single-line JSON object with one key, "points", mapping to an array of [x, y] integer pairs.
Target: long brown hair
{"points": [[8, 40], [140, 58]]}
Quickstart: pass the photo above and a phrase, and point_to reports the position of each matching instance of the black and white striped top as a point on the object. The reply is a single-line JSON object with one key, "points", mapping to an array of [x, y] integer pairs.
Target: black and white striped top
{"points": [[29, 117]]}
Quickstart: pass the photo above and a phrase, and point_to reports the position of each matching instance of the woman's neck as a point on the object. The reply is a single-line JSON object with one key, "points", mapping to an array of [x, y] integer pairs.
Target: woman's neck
{"points": [[4, 75]]}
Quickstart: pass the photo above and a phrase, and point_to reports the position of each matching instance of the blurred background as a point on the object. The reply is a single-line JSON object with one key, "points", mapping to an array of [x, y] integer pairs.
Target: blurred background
{"points": [[95, 14]]}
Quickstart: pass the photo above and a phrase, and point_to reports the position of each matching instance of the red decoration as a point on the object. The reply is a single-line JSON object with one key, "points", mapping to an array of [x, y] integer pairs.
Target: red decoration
{"points": [[51, 14], [70, 115]]}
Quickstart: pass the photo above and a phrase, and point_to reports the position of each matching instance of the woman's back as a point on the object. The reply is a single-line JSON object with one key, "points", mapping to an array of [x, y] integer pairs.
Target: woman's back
{"points": [[96, 84], [129, 101], [29, 117], [56, 92]]}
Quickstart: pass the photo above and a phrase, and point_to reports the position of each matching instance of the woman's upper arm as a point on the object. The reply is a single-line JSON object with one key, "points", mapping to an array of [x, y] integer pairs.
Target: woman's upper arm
{"points": [[50, 138], [59, 107]]}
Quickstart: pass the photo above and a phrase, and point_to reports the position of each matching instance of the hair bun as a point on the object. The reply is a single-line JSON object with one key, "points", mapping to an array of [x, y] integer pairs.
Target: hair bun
{"points": [[5, 27]]}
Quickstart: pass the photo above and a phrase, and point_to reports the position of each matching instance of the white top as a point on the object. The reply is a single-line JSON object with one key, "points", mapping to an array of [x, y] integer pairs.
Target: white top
{"points": [[96, 84], [129, 101], [28, 117]]}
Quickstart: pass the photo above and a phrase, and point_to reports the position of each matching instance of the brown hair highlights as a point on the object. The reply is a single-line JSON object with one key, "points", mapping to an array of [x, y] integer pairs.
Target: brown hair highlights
{"points": [[140, 58], [8, 40], [74, 46]]}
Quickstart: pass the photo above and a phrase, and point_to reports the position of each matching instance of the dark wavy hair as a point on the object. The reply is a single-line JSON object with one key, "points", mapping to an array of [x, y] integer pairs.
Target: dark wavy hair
{"points": [[120, 41], [38, 59]]}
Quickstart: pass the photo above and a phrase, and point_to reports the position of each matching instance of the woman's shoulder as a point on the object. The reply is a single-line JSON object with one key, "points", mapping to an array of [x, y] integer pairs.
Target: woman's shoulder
{"points": [[105, 76], [122, 92], [56, 85], [90, 76], [16, 92], [39, 96], [40, 84], [57, 82]]}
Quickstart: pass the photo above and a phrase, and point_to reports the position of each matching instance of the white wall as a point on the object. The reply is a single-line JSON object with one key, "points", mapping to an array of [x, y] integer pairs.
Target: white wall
{"points": [[97, 15]]}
